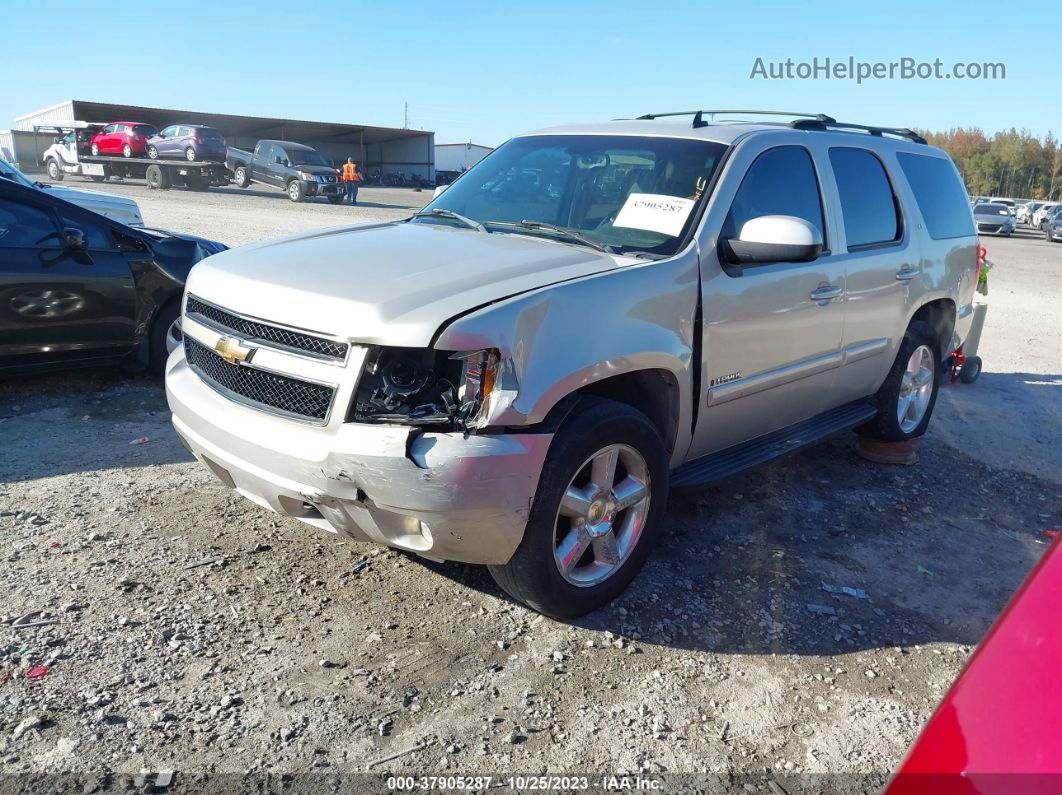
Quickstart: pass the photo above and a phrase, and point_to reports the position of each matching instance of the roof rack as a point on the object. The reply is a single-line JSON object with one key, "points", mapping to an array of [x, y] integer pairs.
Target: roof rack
{"points": [[831, 124], [698, 115]]}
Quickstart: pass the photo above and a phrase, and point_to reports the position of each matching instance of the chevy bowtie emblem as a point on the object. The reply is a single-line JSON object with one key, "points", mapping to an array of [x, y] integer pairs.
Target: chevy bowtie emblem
{"points": [[232, 350]]}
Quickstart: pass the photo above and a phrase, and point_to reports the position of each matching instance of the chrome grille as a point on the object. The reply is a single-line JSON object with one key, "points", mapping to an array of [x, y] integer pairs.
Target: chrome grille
{"points": [[280, 394], [281, 337]]}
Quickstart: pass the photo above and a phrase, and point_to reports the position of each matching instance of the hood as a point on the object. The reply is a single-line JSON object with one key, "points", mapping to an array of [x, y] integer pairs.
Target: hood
{"points": [[118, 208], [393, 284], [327, 170]]}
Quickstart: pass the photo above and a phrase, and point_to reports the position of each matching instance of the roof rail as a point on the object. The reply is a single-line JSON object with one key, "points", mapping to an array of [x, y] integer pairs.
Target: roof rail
{"points": [[831, 124], [698, 115]]}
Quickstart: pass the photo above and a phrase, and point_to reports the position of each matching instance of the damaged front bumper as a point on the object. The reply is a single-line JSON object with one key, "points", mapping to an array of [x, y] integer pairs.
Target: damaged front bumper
{"points": [[447, 496]]}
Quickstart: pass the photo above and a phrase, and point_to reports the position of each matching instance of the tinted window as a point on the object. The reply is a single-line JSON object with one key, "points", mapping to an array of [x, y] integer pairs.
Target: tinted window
{"points": [[781, 181], [940, 195], [21, 225], [95, 236], [867, 203]]}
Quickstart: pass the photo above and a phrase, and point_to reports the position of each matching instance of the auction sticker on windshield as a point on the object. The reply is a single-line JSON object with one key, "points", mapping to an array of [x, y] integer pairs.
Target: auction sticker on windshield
{"points": [[654, 212]]}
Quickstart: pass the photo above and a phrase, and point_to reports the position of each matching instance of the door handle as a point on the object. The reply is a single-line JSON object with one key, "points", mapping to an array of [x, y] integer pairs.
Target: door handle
{"points": [[905, 274], [826, 293]]}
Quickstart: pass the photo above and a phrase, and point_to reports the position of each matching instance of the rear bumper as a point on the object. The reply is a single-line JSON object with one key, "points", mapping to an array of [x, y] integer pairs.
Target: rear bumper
{"points": [[438, 494]]}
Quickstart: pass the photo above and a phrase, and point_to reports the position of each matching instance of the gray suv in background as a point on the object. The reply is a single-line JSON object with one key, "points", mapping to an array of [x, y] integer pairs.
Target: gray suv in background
{"points": [[592, 314]]}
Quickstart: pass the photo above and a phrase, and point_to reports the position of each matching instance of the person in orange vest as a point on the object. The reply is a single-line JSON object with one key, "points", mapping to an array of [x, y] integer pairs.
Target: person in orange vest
{"points": [[351, 178]]}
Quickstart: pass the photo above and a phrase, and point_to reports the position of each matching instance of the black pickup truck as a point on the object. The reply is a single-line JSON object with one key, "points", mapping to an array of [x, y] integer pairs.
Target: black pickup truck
{"points": [[298, 170]]}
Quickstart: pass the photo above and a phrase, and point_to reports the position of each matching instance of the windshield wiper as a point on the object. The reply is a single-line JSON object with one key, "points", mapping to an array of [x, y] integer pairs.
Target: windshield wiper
{"points": [[441, 213], [571, 234]]}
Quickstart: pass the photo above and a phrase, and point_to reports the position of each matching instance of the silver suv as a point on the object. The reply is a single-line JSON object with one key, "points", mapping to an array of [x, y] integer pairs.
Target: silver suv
{"points": [[515, 375]]}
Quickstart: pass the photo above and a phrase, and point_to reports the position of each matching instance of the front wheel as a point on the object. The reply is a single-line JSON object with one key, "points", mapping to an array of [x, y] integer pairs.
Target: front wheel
{"points": [[95, 150], [599, 505], [54, 172], [296, 191], [153, 153], [336, 199], [905, 401], [158, 350]]}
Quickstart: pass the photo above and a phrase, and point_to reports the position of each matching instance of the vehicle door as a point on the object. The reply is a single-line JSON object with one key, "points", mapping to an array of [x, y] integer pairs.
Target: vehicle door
{"points": [[882, 260], [68, 148], [164, 143], [260, 170], [771, 333], [58, 300], [181, 141], [103, 142]]}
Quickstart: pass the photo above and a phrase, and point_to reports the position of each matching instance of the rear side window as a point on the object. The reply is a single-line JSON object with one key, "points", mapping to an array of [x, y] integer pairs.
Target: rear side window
{"points": [[780, 181], [867, 203], [940, 195]]}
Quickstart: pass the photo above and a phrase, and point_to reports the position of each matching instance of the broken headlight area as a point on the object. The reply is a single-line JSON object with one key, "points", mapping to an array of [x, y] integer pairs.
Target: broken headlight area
{"points": [[415, 386]]}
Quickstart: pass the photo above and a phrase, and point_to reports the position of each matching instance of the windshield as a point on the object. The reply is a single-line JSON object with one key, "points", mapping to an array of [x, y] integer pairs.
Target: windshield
{"points": [[8, 171], [991, 209], [307, 157], [631, 193]]}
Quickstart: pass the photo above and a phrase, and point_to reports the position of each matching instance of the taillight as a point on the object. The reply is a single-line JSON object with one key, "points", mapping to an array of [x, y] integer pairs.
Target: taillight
{"points": [[982, 257], [197, 140], [136, 136]]}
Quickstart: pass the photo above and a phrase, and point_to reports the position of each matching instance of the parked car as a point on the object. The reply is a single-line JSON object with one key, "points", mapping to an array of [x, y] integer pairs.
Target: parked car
{"points": [[993, 219], [1053, 226], [187, 141], [125, 138], [1010, 204], [513, 377], [118, 208], [298, 170], [995, 731], [1041, 215], [79, 289], [1027, 210]]}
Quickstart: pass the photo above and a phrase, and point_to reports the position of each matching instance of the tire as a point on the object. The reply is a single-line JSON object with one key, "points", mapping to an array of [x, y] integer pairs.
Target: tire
{"points": [[533, 575], [95, 150], [157, 178], [189, 155], [152, 152], [296, 191], [242, 178], [336, 199], [970, 370], [54, 172], [157, 353], [97, 178], [195, 182], [886, 425], [127, 150]]}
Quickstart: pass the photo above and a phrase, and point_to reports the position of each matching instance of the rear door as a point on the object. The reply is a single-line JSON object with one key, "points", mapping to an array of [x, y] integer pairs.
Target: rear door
{"points": [[57, 303], [772, 335]]}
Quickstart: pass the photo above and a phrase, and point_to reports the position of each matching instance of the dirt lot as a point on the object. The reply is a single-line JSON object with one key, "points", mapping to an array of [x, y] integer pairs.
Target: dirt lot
{"points": [[183, 628]]}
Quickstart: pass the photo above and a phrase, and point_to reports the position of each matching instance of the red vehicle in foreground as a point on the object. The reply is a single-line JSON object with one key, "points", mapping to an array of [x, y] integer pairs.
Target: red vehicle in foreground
{"points": [[998, 731], [126, 138]]}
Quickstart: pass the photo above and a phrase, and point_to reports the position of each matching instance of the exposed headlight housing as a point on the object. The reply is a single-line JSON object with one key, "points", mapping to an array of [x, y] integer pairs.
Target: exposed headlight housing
{"points": [[417, 386]]}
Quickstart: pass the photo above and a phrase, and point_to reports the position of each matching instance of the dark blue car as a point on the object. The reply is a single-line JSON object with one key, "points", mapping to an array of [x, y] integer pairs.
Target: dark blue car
{"points": [[187, 142]]}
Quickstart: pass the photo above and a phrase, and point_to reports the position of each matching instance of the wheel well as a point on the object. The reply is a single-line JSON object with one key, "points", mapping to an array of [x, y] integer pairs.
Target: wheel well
{"points": [[940, 314], [655, 393]]}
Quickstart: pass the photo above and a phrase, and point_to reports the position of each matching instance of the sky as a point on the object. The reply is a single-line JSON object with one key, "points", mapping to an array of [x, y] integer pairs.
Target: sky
{"points": [[486, 71]]}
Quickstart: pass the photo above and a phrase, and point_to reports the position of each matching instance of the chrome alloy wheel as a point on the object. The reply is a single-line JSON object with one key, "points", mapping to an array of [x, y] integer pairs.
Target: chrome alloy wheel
{"points": [[916, 388], [601, 515]]}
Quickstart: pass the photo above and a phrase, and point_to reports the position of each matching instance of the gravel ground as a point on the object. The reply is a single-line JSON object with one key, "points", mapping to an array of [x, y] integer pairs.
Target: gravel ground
{"points": [[154, 620]]}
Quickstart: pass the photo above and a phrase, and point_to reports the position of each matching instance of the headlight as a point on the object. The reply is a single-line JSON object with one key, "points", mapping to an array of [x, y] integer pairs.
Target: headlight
{"points": [[416, 386], [308, 176]]}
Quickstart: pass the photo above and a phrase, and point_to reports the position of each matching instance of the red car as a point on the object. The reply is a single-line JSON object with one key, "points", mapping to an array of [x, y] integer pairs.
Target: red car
{"points": [[126, 138], [998, 731]]}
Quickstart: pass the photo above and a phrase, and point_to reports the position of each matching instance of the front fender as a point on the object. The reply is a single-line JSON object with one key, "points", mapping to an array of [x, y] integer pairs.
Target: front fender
{"points": [[556, 340]]}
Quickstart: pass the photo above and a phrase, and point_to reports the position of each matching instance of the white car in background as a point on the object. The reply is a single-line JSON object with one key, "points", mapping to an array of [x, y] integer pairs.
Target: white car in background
{"points": [[1041, 215], [118, 208]]}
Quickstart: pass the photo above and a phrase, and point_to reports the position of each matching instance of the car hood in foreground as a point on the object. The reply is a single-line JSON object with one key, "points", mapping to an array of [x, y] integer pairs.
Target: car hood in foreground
{"points": [[391, 284]]}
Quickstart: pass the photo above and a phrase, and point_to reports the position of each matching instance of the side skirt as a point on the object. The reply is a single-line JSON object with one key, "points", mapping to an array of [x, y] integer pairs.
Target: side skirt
{"points": [[749, 455]]}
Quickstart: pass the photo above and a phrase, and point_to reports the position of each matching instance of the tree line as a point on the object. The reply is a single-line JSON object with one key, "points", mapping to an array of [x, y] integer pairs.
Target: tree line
{"points": [[1013, 164]]}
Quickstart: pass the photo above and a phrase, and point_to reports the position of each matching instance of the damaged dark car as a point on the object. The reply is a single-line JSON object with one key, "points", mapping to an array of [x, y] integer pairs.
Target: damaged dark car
{"points": [[78, 289]]}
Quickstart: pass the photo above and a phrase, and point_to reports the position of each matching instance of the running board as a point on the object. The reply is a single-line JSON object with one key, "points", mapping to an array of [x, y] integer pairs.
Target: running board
{"points": [[749, 455]]}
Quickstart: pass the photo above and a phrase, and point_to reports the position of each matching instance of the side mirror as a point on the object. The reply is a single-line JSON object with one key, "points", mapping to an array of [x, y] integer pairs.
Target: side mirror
{"points": [[439, 191], [74, 239], [774, 238]]}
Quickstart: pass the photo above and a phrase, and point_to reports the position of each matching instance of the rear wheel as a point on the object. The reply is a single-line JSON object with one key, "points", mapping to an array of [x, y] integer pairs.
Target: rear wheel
{"points": [[600, 501], [970, 370], [296, 191], [54, 172], [242, 177], [195, 182], [157, 178], [127, 150], [189, 154], [336, 199], [905, 401], [158, 351], [97, 177]]}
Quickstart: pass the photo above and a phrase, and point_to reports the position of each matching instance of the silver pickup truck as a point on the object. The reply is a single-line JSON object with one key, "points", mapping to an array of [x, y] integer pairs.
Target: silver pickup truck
{"points": [[516, 374]]}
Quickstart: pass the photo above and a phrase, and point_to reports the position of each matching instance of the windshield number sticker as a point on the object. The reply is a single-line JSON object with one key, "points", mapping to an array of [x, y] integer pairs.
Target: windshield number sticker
{"points": [[654, 212]]}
